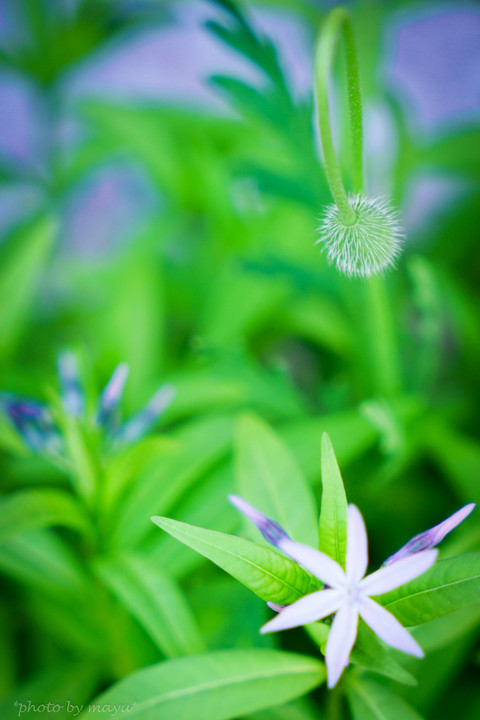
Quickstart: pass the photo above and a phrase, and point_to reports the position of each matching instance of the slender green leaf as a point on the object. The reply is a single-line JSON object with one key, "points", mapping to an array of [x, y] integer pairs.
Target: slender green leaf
{"points": [[126, 465], [84, 474], [34, 509], [457, 455], [268, 476], [333, 514], [369, 700], [449, 585], [22, 259], [445, 630], [216, 686], [42, 560], [372, 654], [67, 688], [369, 652], [270, 575], [300, 710], [350, 432], [201, 444], [156, 601], [204, 507]]}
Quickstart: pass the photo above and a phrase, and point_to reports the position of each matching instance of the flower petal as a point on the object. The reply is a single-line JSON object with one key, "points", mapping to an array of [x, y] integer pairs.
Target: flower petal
{"points": [[112, 394], [341, 639], [308, 609], [140, 423], [357, 545], [72, 394], [387, 627], [392, 576], [33, 422], [270, 530], [316, 562], [275, 606], [433, 536]]}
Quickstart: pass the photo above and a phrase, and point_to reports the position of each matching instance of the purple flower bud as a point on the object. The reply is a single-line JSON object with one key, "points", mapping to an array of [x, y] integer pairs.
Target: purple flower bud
{"points": [[72, 394], [33, 422], [140, 423], [112, 394], [432, 537], [270, 530], [275, 606]]}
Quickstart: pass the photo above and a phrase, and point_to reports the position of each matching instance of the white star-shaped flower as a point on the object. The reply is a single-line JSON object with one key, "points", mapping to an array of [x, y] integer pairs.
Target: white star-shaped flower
{"points": [[348, 593]]}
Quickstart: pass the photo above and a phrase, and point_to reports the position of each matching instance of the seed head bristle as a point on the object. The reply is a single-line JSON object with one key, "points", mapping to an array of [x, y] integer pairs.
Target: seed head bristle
{"points": [[369, 245]]}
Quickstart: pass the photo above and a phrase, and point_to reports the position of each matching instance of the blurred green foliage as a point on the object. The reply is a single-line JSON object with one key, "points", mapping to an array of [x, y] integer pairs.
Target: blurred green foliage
{"points": [[220, 290]]}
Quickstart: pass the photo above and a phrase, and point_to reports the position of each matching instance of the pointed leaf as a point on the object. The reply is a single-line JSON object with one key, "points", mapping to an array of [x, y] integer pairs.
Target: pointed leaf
{"points": [[216, 686], [72, 683], [271, 576], [449, 585], [22, 260], [201, 444], [333, 514], [269, 478], [156, 601], [43, 561], [369, 700], [34, 509], [372, 654]]}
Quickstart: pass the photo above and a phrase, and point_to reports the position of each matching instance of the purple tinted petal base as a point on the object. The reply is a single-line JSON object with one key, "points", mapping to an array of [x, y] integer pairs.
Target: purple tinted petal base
{"points": [[430, 538], [271, 531], [276, 607]]}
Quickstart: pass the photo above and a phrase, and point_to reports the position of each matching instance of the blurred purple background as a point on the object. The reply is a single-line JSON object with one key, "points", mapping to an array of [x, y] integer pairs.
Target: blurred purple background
{"points": [[433, 65]]}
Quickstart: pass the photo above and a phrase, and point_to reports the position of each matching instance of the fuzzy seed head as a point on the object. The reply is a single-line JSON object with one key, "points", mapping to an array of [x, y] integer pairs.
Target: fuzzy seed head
{"points": [[370, 244]]}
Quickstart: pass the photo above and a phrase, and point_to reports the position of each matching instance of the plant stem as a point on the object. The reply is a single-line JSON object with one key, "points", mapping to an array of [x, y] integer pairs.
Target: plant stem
{"points": [[338, 25], [334, 704], [385, 372]]}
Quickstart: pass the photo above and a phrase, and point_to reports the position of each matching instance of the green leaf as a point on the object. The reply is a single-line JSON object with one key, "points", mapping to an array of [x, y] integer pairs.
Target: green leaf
{"points": [[43, 561], [22, 259], [243, 38], [457, 153], [201, 444], [134, 328], [204, 507], [34, 509], [156, 601], [351, 434], [268, 476], [72, 682], [369, 652], [449, 585], [132, 460], [372, 654], [268, 574], [300, 710], [216, 686], [369, 700], [458, 456], [443, 631], [333, 514], [84, 472]]}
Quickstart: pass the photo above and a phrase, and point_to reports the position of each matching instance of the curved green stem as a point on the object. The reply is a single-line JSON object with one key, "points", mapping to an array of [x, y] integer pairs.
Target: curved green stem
{"points": [[338, 25]]}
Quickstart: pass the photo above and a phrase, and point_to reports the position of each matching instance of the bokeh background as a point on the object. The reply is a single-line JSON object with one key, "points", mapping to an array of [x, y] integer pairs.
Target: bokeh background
{"points": [[160, 188]]}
